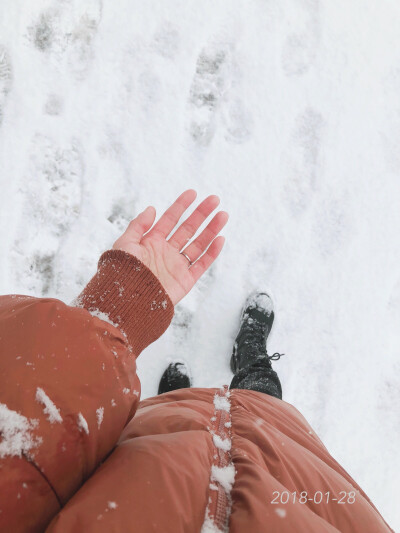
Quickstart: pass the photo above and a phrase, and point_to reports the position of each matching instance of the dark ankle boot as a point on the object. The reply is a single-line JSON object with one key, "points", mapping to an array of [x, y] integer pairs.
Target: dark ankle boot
{"points": [[176, 376], [250, 361], [256, 322]]}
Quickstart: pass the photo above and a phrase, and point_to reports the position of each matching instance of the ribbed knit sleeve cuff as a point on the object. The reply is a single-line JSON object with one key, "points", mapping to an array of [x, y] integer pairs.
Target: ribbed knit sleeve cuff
{"points": [[131, 296]]}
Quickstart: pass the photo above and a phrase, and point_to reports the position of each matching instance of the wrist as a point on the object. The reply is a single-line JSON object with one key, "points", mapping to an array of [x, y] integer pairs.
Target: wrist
{"points": [[131, 296]]}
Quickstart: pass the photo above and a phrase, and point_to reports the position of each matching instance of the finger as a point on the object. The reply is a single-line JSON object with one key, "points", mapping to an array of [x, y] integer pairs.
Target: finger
{"points": [[199, 245], [172, 215], [142, 223], [206, 260], [189, 227]]}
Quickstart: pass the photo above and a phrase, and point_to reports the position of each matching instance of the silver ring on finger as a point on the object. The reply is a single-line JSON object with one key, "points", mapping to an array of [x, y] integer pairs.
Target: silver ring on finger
{"points": [[187, 257]]}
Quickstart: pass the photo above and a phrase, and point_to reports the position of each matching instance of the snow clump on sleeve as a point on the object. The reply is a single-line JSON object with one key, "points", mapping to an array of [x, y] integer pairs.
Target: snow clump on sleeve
{"points": [[53, 414], [209, 526], [112, 505], [222, 444], [222, 403], [103, 316], [15, 428], [82, 424], [99, 416], [224, 475]]}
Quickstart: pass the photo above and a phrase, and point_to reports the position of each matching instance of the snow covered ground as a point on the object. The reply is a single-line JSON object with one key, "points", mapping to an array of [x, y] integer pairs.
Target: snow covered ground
{"points": [[288, 110]]}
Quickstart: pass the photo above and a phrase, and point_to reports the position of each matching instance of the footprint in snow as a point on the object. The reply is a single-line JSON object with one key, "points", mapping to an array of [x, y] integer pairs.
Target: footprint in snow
{"points": [[332, 227], [302, 160], [394, 299], [122, 212], [80, 49], [42, 32], [207, 90], [236, 115], [215, 95], [238, 121], [300, 47], [181, 322], [53, 105], [50, 205], [5, 78], [166, 41], [67, 32]]}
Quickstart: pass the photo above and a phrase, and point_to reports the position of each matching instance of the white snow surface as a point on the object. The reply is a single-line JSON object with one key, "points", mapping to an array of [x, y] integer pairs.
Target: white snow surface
{"points": [[289, 111]]}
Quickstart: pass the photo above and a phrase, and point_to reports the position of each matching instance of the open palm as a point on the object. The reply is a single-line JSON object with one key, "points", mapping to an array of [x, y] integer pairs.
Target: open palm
{"points": [[163, 256]]}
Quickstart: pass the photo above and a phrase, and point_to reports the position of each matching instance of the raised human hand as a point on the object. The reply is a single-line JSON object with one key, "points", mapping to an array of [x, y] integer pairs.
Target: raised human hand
{"points": [[163, 256]]}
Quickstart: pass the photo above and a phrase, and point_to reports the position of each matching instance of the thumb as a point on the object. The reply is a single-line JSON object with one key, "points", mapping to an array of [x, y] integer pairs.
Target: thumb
{"points": [[141, 224], [148, 216]]}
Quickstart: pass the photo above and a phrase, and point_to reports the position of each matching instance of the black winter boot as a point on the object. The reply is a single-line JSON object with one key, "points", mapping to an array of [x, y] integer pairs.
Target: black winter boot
{"points": [[256, 323], [176, 376], [250, 361]]}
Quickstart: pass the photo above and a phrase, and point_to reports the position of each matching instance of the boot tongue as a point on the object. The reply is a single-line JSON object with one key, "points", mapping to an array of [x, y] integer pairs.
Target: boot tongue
{"points": [[252, 338]]}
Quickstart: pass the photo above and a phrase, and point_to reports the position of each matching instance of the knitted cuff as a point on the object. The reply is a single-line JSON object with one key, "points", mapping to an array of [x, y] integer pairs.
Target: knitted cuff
{"points": [[131, 296]]}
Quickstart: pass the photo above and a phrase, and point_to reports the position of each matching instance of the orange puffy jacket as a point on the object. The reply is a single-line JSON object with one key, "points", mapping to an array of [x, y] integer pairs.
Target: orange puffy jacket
{"points": [[79, 453]]}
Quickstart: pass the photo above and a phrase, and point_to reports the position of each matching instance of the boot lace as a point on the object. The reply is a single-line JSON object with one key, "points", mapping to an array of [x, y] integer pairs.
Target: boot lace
{"points": [[275, 356]]}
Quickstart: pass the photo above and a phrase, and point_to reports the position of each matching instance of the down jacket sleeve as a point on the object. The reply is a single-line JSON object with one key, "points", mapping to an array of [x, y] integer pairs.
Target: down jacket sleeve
{"points": [[68, 384]]}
